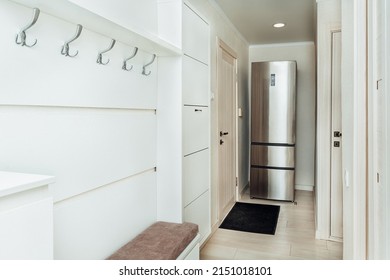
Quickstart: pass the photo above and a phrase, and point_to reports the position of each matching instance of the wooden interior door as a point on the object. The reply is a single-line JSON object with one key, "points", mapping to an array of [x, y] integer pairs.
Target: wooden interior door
{"points": [[227, 73], [336, 188]]}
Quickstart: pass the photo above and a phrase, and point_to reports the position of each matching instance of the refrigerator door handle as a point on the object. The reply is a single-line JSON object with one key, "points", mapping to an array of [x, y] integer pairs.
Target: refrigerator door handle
{"points": [[223, 133]]}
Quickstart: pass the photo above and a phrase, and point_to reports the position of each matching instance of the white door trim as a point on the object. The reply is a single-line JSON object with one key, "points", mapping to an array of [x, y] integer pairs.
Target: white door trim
{"points": [[378, 246], [354, 108]]}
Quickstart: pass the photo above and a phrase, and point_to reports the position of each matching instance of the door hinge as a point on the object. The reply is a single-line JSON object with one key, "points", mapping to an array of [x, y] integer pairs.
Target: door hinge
{"points": [[377, 83], [236, 181]]}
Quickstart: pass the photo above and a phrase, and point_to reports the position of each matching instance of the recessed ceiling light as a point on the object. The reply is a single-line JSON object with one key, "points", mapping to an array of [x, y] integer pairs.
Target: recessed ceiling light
{"points": [[279, 25]]}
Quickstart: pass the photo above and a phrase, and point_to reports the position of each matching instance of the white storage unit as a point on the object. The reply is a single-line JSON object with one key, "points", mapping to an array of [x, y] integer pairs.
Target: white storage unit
{"points": [[119, 142], [26, 217], [98, 129], [196, 121]]}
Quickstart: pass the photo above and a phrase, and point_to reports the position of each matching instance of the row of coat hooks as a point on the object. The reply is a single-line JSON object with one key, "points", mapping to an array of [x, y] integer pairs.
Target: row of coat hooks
{"points": [[21, 38]]}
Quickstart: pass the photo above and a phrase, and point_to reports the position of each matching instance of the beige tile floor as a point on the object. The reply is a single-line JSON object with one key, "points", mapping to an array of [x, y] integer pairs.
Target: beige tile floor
{"points": [[294, 238]]}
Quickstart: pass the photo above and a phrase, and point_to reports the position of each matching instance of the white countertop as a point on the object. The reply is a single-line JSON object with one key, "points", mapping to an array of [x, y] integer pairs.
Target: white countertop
{"points": [[11, 182]]}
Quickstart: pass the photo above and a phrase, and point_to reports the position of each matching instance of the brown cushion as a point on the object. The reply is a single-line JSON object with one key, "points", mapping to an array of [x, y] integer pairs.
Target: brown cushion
{"points": [[160, 241]]}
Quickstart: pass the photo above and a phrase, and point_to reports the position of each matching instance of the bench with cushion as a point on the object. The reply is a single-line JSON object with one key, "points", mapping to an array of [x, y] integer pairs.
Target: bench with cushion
{"points": [[162, 241]]}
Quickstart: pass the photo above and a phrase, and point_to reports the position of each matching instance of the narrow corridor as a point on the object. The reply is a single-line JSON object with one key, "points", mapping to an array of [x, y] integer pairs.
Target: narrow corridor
{"points": [[294, 237]]}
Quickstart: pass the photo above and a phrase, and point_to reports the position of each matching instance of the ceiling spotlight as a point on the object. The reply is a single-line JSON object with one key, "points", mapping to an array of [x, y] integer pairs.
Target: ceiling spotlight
{"points": [[279, 25]]}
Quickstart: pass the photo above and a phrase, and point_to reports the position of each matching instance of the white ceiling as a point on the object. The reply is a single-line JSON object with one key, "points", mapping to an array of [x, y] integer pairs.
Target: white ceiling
{"points": [[254, 19]]}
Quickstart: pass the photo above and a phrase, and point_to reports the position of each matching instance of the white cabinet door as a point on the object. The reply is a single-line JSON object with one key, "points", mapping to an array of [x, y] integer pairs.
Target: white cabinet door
{"points": [[195, 36], [198, 212], [195, 129], [196, 178], [195, 82], [27, 231]]}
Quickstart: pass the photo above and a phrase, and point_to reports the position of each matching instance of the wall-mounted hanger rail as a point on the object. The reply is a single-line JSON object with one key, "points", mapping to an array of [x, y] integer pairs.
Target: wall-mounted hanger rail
{"points": [[65, 47], [65, 50], [21, 36], [100, 54], [124, 67], [146, 65]]}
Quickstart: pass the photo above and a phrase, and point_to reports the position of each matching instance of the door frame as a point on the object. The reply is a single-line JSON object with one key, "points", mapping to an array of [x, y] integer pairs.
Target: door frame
{"points": [[373, 242], [222, 45], [354, 107]]}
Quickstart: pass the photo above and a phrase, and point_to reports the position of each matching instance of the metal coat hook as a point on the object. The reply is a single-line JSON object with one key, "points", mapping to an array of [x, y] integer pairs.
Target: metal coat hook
{"points": [[100, 57], [124, 67], [21, 36], [146, 65], [65, 47]]}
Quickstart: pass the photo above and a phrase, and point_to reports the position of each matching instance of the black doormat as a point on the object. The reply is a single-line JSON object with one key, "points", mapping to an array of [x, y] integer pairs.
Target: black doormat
{"points": [[257, 218]]}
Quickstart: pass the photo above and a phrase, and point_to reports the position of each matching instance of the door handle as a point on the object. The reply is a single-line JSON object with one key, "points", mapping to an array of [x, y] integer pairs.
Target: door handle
{"points": [[198, 110], [223, 133]]}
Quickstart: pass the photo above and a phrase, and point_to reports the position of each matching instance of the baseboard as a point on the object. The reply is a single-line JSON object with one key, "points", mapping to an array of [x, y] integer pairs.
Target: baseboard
{"points": [[241, 193], [211, 233], [304, 188]]}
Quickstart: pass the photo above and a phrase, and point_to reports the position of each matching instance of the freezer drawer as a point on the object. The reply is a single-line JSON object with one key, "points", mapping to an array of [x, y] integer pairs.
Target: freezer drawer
{"points": [[274, 156], [272, 184]]}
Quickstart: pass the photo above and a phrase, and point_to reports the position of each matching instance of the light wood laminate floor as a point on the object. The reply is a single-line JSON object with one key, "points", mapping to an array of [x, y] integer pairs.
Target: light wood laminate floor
{"points": [[294, 237]]}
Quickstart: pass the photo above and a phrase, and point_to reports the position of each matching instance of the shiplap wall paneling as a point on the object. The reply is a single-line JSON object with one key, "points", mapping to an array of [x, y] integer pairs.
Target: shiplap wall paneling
{"points": [[83, 148], [95, 224]]}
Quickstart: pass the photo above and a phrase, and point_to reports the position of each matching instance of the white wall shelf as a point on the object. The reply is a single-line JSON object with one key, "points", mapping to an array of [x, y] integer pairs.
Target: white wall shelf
{"points": [[74, 13]]}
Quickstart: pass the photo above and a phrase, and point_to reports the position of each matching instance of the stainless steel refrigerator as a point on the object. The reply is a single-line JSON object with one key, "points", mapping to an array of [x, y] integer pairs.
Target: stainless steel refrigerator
{"points": [[272, 173]]}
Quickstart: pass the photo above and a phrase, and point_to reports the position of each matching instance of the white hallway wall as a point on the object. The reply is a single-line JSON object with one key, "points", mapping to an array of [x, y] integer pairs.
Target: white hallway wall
{"points": [[304, 54], [222, 28]]}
